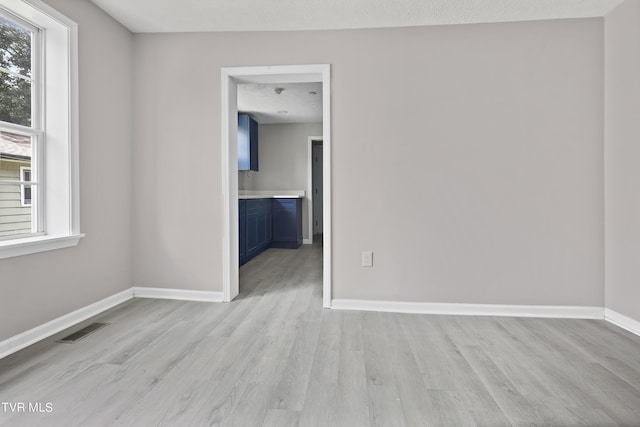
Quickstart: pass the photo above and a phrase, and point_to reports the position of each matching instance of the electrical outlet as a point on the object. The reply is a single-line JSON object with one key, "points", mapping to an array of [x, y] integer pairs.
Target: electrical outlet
{"points": [[367, 259]]}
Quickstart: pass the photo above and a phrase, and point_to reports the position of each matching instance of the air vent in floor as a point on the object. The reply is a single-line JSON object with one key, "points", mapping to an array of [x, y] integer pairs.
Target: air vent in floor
{"points": [[82, 333]]}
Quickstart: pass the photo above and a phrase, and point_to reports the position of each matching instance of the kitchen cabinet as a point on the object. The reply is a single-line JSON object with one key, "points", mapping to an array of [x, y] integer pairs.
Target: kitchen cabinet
{"points": [[242, 229], [255, 227], [287, 223], [258, 226], [247, 143], [268, 223]]}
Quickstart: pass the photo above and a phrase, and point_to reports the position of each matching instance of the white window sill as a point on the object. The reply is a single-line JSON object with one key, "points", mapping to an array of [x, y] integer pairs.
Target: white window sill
{"points": [[31, 245]]}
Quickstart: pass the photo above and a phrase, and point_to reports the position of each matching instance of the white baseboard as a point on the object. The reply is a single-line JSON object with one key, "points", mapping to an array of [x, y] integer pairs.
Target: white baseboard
{"points": [[177, 294], [572, 312], [25, 339], [307, 241], [622, 321]]}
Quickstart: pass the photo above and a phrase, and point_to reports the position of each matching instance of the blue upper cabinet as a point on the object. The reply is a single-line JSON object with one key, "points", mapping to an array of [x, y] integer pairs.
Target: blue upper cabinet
{"points": [[247, 143]]}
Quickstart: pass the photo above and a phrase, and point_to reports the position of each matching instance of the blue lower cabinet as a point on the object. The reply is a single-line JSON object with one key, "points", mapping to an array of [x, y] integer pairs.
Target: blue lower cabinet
{"points": [[266, 223], [287, 223], [242, 229], [255, 227], [258, 213], [251, 231], [262, 208]]}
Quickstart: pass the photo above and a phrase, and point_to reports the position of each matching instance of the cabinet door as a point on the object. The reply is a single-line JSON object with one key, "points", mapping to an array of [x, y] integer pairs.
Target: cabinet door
{"points": [[247, 143], [269, 220], [283, 216], [252, 227], [262, 229], [244, 142], [242, 232], [253, 144], [299, 221], [287, 223]]}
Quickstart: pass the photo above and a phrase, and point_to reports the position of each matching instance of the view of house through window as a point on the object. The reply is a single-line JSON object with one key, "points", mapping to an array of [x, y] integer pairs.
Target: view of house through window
{"points": [[18, 129], [25, 173]]}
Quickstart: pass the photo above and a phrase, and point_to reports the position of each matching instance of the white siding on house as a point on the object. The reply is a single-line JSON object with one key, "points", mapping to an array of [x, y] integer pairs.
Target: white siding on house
{"points": [[14, 218]]}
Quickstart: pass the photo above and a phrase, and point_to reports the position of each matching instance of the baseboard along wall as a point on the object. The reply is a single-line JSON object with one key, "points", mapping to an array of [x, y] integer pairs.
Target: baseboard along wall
{"points": [[571, 312], [622, 321], [25, 339], [177, 294]]}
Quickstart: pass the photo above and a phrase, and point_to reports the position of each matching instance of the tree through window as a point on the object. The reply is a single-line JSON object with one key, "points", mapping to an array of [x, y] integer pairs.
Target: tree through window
{"points": [[19, 131]]}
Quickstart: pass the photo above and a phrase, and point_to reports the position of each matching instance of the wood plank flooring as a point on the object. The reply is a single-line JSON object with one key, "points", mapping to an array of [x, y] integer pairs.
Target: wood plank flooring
{"points": [[274, 357]]}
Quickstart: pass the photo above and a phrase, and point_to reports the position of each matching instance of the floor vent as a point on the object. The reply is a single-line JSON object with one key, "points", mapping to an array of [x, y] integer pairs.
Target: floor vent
{"points": [[82, 333]]}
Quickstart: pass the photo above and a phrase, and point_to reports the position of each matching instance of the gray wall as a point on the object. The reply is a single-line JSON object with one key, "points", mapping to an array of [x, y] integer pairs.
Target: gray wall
{"points": [[283, 150], [38, 288], [468, 158], [622, 151]]}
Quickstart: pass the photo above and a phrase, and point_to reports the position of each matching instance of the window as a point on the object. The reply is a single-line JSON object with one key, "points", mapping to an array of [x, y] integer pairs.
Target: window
{"points": [[38, 129], [25, 189], [20, 125]]}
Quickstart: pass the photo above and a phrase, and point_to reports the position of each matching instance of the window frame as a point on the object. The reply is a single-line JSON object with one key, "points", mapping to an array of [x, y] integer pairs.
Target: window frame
{"points": [[24, 183], [54, 131]]}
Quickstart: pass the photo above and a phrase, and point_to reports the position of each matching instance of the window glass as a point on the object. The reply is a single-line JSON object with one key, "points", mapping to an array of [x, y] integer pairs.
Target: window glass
{"points": [[15, 152], [16, 198], [15, 73]]}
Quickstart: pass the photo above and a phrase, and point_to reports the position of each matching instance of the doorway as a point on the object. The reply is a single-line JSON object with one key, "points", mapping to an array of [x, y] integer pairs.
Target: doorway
{"points": [[231, 77]]}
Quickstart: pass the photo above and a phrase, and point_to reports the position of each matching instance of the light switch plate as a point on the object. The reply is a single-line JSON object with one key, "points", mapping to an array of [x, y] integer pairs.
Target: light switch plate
{"points": [[367, 259]]}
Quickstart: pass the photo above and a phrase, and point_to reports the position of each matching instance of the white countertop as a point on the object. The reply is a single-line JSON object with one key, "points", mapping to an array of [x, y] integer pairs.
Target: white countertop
{"points": [[269, 194]]}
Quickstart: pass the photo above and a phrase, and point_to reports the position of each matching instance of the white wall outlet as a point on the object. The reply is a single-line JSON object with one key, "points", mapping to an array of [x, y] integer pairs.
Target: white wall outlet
{"points": [[367, 259]]}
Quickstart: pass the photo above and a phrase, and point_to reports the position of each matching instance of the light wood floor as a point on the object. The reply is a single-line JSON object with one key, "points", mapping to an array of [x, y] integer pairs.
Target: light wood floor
{"points": [[274, 357]]}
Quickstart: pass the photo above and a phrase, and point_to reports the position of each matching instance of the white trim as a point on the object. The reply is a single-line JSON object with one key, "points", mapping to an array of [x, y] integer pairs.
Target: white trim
{"points": [[307, 241], [74, 125], [25, 339], [177, 294], [622, 321], [30, 245], [327, 240], [230, 244], [271, 194], [230, 77], [309, 191], [553, 311]]}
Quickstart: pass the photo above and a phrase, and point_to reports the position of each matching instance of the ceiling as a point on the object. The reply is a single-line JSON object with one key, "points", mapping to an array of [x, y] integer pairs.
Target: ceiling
{"points": [[296, 102], [270, 15]]}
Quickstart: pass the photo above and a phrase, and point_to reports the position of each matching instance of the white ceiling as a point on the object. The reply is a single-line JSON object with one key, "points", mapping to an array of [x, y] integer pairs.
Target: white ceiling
{"points": [[267, 107], [258, 15]]}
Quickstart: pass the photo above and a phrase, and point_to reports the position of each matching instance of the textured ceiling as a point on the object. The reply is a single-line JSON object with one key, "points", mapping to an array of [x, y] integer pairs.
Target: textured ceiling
{"points": [[266, 106], [258, 15]]}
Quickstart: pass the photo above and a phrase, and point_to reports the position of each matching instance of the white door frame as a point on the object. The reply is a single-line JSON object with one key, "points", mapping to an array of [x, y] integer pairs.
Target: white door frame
{"points": [[310, 184], [230, 77]]}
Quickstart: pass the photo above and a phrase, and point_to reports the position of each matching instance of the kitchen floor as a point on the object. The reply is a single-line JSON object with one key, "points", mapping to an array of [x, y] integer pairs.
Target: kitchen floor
{"points": [[274, 357]]}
